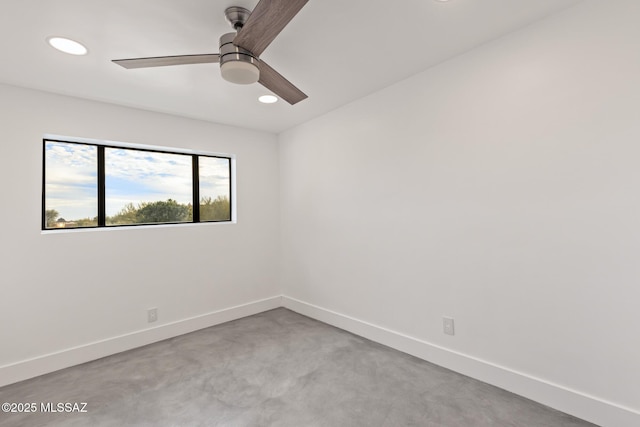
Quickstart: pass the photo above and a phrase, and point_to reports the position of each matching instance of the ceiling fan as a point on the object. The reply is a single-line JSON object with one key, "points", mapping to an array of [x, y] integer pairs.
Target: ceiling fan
{"points": [[240, 50]]}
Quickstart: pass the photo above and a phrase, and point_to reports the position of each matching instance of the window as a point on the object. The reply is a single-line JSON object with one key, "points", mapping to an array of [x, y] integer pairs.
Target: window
{"points": [[71, 185], [214, 189], [144, 187], [95, 185]]}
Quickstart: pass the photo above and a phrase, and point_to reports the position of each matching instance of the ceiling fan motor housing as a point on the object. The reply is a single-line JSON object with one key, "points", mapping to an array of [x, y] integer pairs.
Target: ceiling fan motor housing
{"points": [[237, 65]]}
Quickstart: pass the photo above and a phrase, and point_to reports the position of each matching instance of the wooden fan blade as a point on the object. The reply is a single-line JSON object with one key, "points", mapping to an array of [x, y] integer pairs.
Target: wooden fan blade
{"points": [[162, 61], [265, 22], [277, 84]]}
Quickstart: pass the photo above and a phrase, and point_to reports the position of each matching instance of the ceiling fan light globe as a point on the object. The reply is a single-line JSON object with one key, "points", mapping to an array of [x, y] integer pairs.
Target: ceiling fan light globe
{"points": [[240, 72]]}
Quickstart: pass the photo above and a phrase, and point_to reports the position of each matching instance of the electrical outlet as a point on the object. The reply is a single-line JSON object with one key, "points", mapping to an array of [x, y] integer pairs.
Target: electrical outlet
{"points": [[152, 315], [447, 324]]}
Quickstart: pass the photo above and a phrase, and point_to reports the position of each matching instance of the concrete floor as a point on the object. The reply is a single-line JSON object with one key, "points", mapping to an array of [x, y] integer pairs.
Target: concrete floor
{"points": [[274, 369]]}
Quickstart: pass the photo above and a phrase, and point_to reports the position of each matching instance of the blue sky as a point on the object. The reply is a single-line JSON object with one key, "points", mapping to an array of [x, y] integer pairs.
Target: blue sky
{"points": [[132, 176]]}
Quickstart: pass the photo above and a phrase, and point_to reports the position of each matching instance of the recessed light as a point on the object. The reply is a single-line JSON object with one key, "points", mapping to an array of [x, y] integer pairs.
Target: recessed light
{"points": [[69, 46], [268, 99]]}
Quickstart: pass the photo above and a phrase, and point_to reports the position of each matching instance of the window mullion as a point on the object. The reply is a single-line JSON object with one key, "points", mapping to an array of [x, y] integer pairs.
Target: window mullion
{"points": [[196, 189], [102, 215]]}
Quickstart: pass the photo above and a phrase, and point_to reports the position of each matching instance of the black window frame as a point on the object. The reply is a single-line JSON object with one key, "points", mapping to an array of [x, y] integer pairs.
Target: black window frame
{"points": [[101, 183]]}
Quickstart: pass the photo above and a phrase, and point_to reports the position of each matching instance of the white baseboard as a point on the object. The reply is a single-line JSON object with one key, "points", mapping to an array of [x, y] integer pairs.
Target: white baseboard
{"points": [[581, 405], [578, 404], [85, 353]]}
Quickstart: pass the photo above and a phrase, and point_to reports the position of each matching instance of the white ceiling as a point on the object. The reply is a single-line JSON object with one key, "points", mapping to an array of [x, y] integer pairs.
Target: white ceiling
{"points": [[336, 51]]}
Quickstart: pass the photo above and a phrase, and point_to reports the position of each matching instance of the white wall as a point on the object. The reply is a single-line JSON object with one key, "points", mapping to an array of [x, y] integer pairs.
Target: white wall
{"points": [[501, 188], [64, 290]]}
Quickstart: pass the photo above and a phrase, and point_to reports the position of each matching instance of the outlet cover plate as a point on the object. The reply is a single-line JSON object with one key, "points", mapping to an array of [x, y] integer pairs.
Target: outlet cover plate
{"points": [[447, 325]]}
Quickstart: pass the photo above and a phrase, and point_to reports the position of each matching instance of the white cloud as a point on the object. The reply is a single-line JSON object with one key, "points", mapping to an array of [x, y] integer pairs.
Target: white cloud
{"points": [[157, 172], [71, 179], [214, 177]]}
